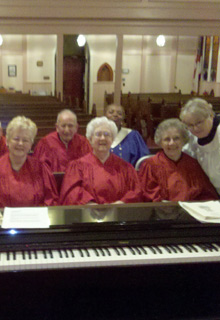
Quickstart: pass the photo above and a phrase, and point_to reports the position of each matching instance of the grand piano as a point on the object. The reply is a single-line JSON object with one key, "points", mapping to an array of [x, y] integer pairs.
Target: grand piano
{"points": [[130, 261]]}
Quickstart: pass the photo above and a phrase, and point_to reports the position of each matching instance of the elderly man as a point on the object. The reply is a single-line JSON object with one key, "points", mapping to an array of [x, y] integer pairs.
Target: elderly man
{"points": [[62, 145]]}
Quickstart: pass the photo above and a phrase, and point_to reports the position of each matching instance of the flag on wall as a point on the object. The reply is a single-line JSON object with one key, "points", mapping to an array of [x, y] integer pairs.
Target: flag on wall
{"points": [[198, 66]]}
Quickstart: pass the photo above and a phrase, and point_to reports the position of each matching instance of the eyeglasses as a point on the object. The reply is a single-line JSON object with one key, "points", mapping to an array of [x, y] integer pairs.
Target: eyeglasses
{"points": [[106, 134], [169, 139], [198, 124], [18, 140]]}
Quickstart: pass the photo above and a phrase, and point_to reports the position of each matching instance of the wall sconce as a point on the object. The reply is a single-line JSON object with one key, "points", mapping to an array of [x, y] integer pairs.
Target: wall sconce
{"points": [[40, 63], [1, 40], [125, 71]]}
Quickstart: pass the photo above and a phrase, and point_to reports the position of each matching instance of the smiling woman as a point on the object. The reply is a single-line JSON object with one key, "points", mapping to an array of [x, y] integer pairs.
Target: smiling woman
{"points": [[100, 176], [204, 144], [24, 181], [171, 174]]}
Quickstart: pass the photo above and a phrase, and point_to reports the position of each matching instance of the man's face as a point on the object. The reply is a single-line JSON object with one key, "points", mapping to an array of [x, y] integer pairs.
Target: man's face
{"points": [[66, 126]]}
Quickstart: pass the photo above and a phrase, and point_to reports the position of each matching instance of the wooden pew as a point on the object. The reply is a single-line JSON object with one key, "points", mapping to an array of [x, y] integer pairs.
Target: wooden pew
{"points": [[59, 179]]}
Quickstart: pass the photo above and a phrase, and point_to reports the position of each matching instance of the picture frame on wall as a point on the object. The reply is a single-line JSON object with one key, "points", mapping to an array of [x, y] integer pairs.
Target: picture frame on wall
{"points": [[12, 70]]}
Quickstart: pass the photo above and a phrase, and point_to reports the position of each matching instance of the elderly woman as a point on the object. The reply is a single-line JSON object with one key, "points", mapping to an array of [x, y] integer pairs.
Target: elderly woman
{"points": [[100, 176], [204, 144], [171, 174], [24, 181], [128, 144]]}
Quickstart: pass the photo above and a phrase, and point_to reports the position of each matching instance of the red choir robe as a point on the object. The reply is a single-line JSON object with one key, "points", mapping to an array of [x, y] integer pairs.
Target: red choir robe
{"points": [[183, 180], [53, 151], [3, 148], [88, 179], [33, 185]]}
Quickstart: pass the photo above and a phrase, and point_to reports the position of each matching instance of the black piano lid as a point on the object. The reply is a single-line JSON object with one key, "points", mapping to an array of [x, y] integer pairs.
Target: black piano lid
{"points": [[117, 214], [113, 225]]}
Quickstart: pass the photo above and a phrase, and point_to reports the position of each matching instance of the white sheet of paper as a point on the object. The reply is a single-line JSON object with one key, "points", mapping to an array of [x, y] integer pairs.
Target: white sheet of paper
{"points": [[25, 218], [208, 211]]}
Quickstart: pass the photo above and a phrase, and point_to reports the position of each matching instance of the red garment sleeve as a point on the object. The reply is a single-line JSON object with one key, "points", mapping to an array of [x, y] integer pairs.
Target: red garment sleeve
{"points": [[151, 188], [207, 190], [133, 188], [47, 155], [3, 147], [72, 190], [50, 188]]}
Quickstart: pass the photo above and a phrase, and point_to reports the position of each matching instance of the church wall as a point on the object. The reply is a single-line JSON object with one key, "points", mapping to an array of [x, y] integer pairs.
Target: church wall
{"points": [[12, 54], [147, 64], [24, 52], [13, 83], [41, 50], [184, 73], [145, 67], [102, 49]]}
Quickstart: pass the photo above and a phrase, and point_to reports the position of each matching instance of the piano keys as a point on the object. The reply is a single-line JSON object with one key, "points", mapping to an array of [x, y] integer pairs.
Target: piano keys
{"points": [[108, 256]]}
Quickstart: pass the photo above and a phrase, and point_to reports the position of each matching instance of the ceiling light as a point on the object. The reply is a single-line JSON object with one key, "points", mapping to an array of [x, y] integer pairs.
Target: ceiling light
{"points": [[81, 40], [161, 41]]}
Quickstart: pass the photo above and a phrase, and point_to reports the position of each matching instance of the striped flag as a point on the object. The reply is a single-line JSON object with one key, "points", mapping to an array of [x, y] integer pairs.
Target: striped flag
{"points": [[198, 66]]}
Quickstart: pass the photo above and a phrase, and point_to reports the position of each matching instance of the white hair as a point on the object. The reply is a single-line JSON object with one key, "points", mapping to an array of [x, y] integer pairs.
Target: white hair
{"points": [[197, 106], [99, 121], [68, 111], [21, 122], [171, 123]]}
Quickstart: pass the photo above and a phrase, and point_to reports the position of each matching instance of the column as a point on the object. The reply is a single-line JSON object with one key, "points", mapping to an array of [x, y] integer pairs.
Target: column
{"points": [[118, 70], [59, 66]]}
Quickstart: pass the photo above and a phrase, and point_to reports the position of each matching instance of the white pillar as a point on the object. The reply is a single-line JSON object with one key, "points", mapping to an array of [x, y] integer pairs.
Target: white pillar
{"points": [[59, 65], [118, 69]]}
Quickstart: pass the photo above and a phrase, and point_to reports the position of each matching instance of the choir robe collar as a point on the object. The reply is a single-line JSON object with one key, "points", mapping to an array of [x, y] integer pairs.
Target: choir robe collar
{"points": [[163, 158], [122, 134], [96, 160], [211, 135]]}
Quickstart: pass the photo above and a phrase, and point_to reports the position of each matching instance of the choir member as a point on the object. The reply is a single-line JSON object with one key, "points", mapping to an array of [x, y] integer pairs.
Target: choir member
{"points": [[62, 145], [3, 147], [204, 144], [24, 180], [100, 176], [171, 174], [128, 144]]}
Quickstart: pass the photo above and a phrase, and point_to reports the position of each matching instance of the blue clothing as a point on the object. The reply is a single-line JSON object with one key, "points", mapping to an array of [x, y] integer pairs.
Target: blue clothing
{"points": [[131, 148]]}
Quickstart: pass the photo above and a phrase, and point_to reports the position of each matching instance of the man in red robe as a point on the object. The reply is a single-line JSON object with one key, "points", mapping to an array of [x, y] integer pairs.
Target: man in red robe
{"points": [[62, 145], [183, 180], [89, 180]]}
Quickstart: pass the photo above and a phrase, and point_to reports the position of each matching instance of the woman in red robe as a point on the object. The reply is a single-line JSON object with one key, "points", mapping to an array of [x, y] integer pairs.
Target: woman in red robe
{"points": [[100, 176], [171, 174], [24, 180]]}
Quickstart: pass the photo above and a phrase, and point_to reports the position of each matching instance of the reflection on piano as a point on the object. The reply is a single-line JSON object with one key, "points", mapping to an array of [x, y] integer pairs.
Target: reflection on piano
{"points": [[128, 254]]}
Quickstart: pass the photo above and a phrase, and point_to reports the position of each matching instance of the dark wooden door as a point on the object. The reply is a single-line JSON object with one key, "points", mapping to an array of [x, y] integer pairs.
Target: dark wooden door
{"points": [[73, 79]]}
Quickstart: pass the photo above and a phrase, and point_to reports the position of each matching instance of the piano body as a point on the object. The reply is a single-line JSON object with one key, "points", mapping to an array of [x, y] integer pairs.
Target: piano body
{"points": [[130, 261]]}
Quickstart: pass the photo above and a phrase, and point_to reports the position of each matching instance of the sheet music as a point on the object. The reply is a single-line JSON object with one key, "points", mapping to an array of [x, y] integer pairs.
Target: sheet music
{"points": [[25, 218], [207, 211]]}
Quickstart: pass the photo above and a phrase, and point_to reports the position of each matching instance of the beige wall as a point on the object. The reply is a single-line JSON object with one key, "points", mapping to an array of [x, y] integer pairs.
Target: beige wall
{"points": [[150, 69], [24, 51], [41, 48], [107, 17]]}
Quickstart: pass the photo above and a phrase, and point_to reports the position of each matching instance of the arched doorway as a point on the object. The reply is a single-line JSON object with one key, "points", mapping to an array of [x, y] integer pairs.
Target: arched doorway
{"points": [[105, 73]]}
